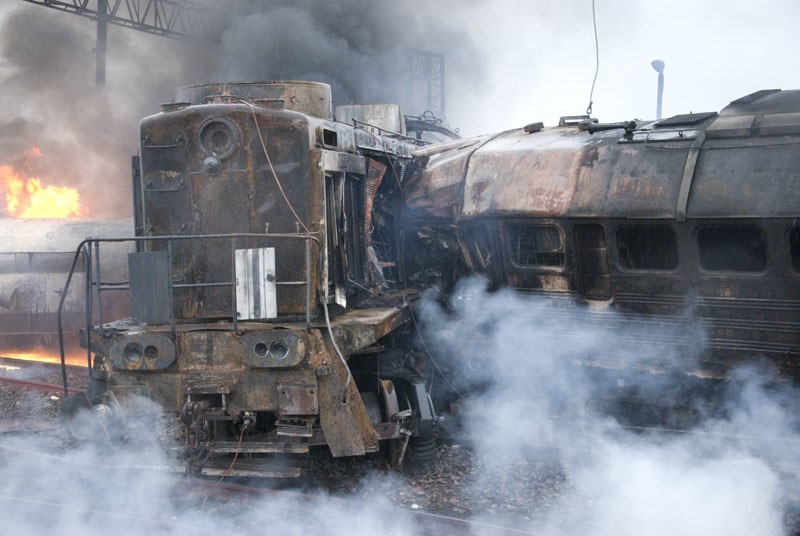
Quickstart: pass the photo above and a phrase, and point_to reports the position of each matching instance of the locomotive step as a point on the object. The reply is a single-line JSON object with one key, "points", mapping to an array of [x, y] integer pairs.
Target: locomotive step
{"points": [[231, 447], [289, 430], [264, 468]]}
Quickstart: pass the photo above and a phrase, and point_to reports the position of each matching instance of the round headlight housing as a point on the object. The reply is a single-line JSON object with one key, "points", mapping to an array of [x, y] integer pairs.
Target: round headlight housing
{"points": [[278, 349], [219, 138], [133, 352]]}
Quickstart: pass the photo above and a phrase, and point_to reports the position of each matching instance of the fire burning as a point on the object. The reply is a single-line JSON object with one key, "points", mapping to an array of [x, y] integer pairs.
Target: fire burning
{"points": [[27, 197], [46, 356]]}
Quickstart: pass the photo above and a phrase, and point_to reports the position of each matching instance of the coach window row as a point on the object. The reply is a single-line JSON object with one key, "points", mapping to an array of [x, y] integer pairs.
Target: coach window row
{"points": [[734, 248]]}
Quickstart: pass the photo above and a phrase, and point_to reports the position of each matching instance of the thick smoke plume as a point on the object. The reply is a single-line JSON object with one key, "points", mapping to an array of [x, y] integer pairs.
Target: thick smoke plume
{"points": [[549, 374], [87, 136], [359, 47]]}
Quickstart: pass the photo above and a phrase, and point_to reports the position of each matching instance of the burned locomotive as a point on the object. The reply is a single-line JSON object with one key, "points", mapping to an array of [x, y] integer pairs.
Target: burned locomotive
{"points": [[697, 212], [267, 287]]}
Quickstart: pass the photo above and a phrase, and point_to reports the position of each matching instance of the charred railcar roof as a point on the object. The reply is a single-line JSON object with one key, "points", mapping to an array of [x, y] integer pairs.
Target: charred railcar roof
{"points": [[743, 162]]}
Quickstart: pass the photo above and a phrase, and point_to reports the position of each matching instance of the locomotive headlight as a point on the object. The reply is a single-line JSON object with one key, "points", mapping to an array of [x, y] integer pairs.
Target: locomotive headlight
{"points": [[278, 349], [133, 352], [272, 348], [141, 351], [218, 138]]}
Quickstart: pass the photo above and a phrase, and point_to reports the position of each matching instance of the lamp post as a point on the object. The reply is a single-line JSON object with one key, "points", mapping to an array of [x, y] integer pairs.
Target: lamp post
{"points": [[658, 65]]}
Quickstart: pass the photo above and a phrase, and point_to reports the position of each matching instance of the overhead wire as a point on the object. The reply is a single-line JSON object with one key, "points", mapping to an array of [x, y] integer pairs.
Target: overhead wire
{"points": [[597, 60]]}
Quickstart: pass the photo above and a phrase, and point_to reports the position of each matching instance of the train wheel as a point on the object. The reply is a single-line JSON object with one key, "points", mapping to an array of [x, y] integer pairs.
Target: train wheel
{"points": [[391, 409]]}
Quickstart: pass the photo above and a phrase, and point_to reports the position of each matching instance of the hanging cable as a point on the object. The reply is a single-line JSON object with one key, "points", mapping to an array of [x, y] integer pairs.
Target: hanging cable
{"points": [[245, 426], [301, 224], [271, 168], [596, 58]]}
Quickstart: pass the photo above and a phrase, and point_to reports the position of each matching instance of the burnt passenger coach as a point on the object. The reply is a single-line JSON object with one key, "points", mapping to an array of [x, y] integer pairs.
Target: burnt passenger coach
{"points": [[693, 220]]}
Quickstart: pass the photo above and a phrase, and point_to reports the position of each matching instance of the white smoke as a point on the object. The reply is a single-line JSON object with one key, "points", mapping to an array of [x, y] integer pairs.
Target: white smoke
{"points": [[544, 374], [98, 480]]}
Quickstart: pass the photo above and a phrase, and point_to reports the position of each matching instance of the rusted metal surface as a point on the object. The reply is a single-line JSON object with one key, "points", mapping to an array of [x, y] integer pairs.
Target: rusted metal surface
{"points": [[343, 417], [566, 172], [553, 173], [435, 191], [377, 118], [184, 177], [311, 98], [361, 328], [297, 400]]}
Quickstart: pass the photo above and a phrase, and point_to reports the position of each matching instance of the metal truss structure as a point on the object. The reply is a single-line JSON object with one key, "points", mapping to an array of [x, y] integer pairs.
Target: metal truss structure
{"points": [[169, 18], [428, 68], [182, 19]]}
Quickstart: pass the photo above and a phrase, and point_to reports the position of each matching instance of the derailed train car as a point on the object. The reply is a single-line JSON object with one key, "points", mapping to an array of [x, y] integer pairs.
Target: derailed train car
{"points": [[268, 300], [35, 257], [691, 220]]}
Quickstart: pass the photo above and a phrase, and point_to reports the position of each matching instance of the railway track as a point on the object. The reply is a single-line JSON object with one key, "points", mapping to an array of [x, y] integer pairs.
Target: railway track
{"points": [[28, 373], [314, 513], [418, 522], [254, 504], [29, 390], [247, 500]]}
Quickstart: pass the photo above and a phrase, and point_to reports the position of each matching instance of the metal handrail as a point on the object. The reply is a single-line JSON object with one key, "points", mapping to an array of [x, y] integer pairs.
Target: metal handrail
{"points": [[93, 284]]}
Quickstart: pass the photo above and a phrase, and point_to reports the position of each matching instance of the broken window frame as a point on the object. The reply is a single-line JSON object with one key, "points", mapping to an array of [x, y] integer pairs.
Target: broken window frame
{"points": [[515, 252], [649, 243], [731, 249]]}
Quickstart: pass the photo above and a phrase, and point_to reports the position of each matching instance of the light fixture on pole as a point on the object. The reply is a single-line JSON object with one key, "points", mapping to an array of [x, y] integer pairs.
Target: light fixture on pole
{"points": [[658, 65]]}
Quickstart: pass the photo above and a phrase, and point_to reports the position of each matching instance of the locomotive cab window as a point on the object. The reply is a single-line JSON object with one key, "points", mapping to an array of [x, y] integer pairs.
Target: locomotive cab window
{"points": [[647, 247], [536, 245], [732, 248]]}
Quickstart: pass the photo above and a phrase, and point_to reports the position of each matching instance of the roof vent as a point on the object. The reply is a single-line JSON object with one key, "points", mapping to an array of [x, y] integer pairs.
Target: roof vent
{"points": [[310, 98]]}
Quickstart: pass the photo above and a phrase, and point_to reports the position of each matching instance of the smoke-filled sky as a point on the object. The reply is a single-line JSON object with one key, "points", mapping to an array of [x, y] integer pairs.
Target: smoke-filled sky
{"points": [[509, 62]]}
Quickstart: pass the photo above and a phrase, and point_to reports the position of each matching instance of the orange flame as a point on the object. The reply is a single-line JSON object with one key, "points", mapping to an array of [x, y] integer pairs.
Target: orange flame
{"points": [[46, 357], [28, 198]]}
